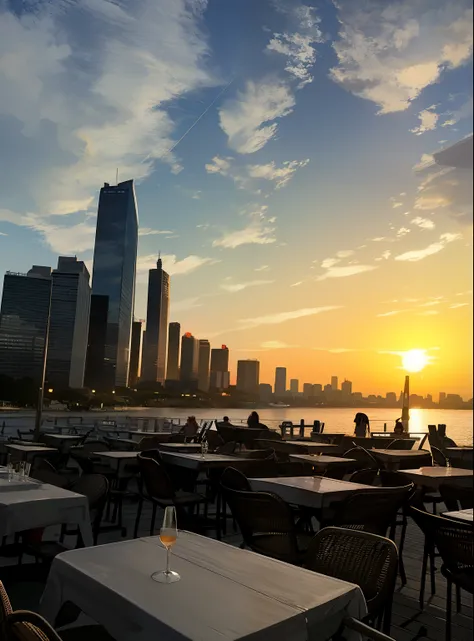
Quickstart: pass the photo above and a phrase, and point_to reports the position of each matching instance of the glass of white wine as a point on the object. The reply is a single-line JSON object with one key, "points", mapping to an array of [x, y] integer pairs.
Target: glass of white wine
{"points": [[168, 536]]}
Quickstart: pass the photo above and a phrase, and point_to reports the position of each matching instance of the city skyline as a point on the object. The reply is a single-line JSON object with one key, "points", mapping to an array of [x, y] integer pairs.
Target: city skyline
{"points": [[305, 169]]}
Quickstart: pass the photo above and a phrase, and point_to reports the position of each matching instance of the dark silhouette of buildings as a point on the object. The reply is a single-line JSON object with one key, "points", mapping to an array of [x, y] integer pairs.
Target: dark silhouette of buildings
{"points": [[188, 370], [174, 338], [220, 376], [248, 376], [135, 351], [155, 345], [280, 382], [203, 365]]}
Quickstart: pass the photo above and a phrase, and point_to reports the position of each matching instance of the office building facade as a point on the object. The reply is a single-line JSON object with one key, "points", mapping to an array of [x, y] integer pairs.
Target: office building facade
{"points": [[155, 347], [334, 383], [294, 386], [248, 376], [346, 388], [174, 341], [203, 365], [24, 323], [220, 375], [280, 382], [188, 369], [69, 324], [135, 353], [113, 287]]}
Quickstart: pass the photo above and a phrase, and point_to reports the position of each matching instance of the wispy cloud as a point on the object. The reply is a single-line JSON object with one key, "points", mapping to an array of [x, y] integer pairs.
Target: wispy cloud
{"points": [[238, 287], [185, 305], [346, 270], [394, 312], [172, 264], [276, 345], [281, 176], [262, 268], [147, 231], [260, 231], [434, 248], [385, 255], [458, 305], [283, 317], [428, 121], [423, 223]]}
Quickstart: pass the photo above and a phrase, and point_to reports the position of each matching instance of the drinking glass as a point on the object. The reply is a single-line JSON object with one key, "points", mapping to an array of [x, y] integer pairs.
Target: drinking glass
{"points": [[27, 470], [10, 468], [168, 536], [204, 448]]}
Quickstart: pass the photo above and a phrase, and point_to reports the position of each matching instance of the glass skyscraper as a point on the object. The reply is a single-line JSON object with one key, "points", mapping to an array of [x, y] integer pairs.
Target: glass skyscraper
{"points": [[113, 287], [156, 339], [174, 338]]}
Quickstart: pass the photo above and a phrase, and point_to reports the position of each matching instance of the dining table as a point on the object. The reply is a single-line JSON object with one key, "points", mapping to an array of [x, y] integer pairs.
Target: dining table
{"points": [[464, 516], [433, 477], [199, 462], [25, 452], [393, 459], [224, 593], [322, 462]]}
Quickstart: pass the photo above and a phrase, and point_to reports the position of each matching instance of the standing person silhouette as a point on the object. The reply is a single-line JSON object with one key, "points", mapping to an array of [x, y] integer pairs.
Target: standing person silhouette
{"points": [[362, 425], [253, 420]]}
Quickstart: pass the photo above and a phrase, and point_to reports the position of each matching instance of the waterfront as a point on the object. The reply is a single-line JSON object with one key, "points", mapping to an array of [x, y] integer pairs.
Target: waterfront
{"points": [[459, 422]]}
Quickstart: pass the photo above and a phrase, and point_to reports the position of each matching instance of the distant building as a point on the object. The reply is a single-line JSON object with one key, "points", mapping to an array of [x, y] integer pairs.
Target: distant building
{"points": [[69, 324], [135, 352], [155, 347], [334, 383], [294, 386], [317, 389], [280, 382], [391, 398], [188, 370], [308, 390], [442, 397], [203, 365], [24, 316], [346, 388], [174, 340], [248, 376], [327, 389], [265, 392], [219, 375], [113, 287]]}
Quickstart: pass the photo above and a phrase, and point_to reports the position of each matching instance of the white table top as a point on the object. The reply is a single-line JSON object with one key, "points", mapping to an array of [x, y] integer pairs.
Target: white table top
{"points": [[308, 491], [117, 455], [462, 448], [399, 453], [176, 447], [197, 461], [435, 476], [312, 445], [65, 437], [466, 516], [225, 594], [321, 461], [31, 449]]}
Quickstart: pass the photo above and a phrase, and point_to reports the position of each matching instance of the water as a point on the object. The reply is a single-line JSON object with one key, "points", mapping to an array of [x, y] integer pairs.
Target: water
{"points": [[459, 422]]}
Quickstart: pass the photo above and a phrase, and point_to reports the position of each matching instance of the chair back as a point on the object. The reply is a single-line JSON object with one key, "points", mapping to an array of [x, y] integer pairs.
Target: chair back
{"points": [[339, 471], [155, 478], [438, 457], [371, 510], [226, 432], [363, 456], [391, 478], [266, 523], [368, 560], [457, 497], [5, 606], [149, 443], [96, 488], [270, 435], [234, 480], [227, 448], [260, 455], [119, 444], [366, 477], [213, 440], [23, 625], [402, 444]]}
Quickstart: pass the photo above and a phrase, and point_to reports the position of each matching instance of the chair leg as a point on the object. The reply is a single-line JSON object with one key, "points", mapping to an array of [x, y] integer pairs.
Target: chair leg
{"points": [[448, 610], [153, 519], [423, 575], [432, 571], [387, 619], [403, 575], [137, 520], [458, 599]]}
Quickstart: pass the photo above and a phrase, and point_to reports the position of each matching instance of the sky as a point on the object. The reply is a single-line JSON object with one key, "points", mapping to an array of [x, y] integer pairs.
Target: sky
{"points": [[286, 167]]}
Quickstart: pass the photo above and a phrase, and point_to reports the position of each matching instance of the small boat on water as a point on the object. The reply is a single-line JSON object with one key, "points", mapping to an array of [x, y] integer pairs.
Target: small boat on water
{"points": [[279, 405]]}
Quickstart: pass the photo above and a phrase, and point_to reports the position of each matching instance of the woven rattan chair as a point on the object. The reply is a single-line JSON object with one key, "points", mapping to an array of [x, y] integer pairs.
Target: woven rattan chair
{"points": [[438, 457], [365, 477], [455, 544], [235, 480], [457, 497], [267, 525], [156, 486], [368, 560]]}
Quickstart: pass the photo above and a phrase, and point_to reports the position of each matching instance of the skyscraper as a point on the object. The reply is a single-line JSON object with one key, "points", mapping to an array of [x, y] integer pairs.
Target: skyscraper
{"points": [[113, 287], [280, 382], [248, 376], [294, 386], [334, 383], [188, 370], [135, 351], [203, 365], [308, 390], [346, 388], [156, 343], [24, 319], [220, 376], [174, 336], [69, 324]]}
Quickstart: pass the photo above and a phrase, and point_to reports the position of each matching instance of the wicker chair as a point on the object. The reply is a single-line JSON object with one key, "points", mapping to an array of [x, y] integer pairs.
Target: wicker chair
{"points": [[365, 477], [438, 457], [455, 544], [457, 497], [45, 472], [362, 456], [235, 480], [368, 560], [156, 486], [267, 525]]}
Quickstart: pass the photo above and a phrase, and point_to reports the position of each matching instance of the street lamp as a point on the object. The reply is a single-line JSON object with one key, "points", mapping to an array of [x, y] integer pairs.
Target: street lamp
{"points": [[93, 391], [50, 390]]}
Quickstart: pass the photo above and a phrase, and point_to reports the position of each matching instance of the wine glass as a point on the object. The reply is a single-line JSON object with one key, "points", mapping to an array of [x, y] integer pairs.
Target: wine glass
{"points": [[168, 536]]}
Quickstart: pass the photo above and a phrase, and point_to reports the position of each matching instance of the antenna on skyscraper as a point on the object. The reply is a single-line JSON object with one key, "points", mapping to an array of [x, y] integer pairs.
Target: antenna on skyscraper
{"points": [[116, 176]]}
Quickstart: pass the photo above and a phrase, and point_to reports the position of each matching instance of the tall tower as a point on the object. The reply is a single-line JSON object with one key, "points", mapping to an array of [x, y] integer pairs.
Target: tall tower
{"points": [[174, 337], [334, 383], [280, 382], [156, 344], [203, 365], [135, 351], [69, 325], [188, 371], [113, 287], [248, 376], [220, 376]]}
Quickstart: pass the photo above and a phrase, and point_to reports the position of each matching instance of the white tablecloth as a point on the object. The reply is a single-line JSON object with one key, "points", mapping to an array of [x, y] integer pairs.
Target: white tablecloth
{"points": [[224, 594], [38, 507]]}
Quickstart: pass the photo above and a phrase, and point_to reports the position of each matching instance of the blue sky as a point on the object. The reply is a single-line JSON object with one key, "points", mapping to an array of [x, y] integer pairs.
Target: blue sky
{"points": [[304, 193]]}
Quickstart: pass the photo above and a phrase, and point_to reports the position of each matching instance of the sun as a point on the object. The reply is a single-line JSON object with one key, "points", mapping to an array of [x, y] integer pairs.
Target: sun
{"points": [[415, 360]]}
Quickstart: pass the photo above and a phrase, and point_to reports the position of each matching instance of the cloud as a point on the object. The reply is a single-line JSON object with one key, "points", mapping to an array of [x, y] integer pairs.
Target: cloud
{"points": [[300, 53], [283, 317], [434, 248], [389, 53], [276, 345], [258, 232], [385, 255], [281, 176], [248, 119], [391, 313], [428, 121], [429, 312], [219, 165], [344, 271], [147, 231], [238, 287], [458, 305], [172, 265], [184, 305], [262, 268], [86, 88], [423, 223], [403, 231]]}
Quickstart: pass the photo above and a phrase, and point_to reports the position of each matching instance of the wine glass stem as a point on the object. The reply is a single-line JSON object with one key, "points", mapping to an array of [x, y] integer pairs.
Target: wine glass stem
{"points": [[168, 560]]}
